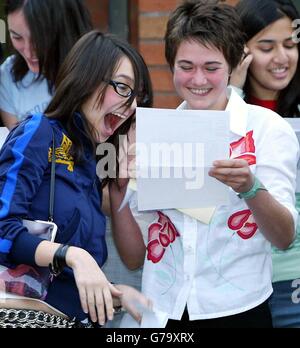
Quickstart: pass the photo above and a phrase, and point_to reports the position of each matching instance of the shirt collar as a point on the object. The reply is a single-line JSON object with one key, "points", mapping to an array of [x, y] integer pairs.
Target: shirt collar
{"points": [[238, 112]]}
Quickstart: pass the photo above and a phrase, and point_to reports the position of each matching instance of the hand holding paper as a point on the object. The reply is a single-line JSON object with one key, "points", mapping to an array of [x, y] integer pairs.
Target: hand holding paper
{"points": [[175, 151], [234, 173]]}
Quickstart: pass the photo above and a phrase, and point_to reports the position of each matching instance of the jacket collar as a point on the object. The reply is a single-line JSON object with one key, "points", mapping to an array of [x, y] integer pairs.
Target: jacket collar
{"points": [[238, 112]]}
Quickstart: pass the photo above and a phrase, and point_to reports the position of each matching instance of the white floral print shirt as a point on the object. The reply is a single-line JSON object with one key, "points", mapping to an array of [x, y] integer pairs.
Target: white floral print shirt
{"points": [[224, 267]]}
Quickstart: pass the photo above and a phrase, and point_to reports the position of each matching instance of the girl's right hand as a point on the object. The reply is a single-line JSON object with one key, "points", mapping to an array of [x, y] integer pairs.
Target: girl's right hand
{"points": [[133, 301], [239, 74], [95, 291]]}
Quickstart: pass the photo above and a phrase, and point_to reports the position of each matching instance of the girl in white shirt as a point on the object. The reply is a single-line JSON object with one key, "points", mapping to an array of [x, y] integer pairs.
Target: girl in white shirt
{"points": [[215, 273], [269, 76]]}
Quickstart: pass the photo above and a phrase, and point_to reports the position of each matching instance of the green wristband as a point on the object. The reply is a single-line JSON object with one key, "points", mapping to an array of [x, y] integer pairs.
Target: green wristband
{"points": [[253, 191]]}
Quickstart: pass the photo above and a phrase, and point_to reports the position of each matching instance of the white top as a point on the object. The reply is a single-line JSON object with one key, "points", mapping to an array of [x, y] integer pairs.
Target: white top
{"points": [[224, 267], [22, 98]]}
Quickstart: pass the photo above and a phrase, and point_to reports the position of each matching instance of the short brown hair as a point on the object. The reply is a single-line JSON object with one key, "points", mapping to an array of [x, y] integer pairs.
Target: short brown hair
{"points": [[209, 23]]}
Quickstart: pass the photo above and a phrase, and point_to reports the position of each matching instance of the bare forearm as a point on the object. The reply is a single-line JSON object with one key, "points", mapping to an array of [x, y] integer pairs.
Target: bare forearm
{"points": [[9, 120], [273, 219], [45, 252], [126, 232]]}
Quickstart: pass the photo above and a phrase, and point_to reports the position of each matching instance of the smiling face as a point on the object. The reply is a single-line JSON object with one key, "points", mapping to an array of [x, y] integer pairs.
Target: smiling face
{"points": [[201, 76], [275, 58], [21, 39], [109, 116]]}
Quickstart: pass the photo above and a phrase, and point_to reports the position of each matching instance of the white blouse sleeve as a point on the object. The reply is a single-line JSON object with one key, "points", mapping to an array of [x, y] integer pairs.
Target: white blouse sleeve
{"points": [[277, 163]]}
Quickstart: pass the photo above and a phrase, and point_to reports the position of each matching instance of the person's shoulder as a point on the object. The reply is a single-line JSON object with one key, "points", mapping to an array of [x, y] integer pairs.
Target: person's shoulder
{"points": [[35, 127], [6, 71], [263, 113], [6, 78], [271, 122], [40, 120], [268, 120], [7, 64]]}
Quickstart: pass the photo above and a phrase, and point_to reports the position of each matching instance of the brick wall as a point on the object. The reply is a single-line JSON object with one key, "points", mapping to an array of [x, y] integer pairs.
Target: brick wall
{"points": [[153, 16], [99, 13], [231, 2]]}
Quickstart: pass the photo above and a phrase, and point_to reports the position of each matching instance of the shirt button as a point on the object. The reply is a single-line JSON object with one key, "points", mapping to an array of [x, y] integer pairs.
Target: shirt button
{"points": [[187, 277]]}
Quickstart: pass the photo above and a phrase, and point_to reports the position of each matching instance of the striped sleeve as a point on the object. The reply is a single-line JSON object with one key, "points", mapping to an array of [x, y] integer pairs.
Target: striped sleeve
{"points": [[23, 161]]}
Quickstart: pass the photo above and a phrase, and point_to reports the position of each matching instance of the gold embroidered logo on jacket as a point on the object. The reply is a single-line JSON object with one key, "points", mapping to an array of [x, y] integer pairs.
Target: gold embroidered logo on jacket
{"points": [[62, 154]]}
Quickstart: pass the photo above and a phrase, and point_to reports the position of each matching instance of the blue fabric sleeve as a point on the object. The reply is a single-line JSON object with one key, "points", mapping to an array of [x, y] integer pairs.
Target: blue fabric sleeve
{"points": [[23, 249], [23, 162]]}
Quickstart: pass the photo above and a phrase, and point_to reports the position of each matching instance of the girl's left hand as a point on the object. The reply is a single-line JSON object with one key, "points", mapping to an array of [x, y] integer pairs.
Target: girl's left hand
{"points": [[234, 173], [239, 74]]}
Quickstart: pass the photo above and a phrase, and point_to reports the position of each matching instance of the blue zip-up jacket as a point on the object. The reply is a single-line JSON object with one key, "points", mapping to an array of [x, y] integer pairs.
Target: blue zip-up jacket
{"points": [[25, 171]]}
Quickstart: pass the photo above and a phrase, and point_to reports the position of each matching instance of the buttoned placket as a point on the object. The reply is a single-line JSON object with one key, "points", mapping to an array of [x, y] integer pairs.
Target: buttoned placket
{"points": [[189, 240]]}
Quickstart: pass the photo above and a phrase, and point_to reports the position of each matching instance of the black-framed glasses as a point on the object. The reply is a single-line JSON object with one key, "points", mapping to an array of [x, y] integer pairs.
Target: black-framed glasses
{"points": [[121, 88]]}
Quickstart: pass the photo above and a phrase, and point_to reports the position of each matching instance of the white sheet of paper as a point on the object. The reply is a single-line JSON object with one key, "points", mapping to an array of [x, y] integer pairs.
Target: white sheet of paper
{"points": [[175, 150], [295, 123], [3, 134]]}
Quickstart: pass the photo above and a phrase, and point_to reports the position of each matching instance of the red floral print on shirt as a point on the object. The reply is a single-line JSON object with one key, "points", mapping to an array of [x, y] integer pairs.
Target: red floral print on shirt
{"points": [[243, 222], [244, 149], [160, 235]]}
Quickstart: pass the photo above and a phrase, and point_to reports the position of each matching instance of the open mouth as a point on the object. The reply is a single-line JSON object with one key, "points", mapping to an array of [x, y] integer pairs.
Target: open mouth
{"points": [[33, 60], [112, 122]]}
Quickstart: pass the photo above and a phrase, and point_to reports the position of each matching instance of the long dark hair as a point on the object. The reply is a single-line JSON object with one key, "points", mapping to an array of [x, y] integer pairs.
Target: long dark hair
{"points": [[89, 66], [1, 53], [145, 100], [257, 15], [55, 26]]}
